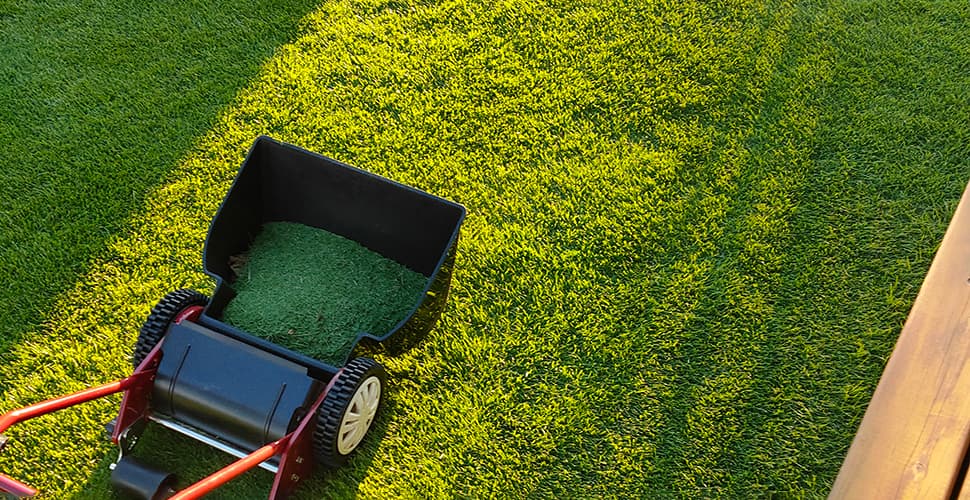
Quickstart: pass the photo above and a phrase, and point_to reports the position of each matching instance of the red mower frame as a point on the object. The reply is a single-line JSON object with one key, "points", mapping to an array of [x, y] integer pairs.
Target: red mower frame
{"points": [[295, 449]]}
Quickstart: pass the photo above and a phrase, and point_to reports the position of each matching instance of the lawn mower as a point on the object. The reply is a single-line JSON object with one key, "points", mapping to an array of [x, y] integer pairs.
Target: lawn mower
{"points": [[267, 405]]}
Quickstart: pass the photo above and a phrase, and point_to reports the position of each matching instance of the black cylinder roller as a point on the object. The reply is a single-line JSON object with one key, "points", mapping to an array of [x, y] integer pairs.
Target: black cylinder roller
{"points": [[228, 389], [142, 482]]}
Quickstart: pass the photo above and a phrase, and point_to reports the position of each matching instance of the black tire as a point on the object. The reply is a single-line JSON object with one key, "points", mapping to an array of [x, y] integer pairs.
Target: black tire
{"points": [[160, 318], [329, 448]]}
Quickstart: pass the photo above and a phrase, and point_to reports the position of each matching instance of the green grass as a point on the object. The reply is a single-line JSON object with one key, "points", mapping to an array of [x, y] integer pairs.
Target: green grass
{"points": [[694, 231], [98, 101], [313, 291]]}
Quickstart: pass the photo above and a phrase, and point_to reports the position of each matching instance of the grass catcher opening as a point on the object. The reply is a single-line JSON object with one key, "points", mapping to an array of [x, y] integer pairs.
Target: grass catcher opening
{"points": [[313, 291]]}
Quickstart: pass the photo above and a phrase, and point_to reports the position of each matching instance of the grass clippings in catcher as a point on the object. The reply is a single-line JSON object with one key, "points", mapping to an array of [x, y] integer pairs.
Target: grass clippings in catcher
{"points": [[313, 291]]}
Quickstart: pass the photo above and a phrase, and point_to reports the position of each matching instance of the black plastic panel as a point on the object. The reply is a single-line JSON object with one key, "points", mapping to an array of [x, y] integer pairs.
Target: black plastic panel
{"points": [[283, 183], [280, 182], [236, 392]]}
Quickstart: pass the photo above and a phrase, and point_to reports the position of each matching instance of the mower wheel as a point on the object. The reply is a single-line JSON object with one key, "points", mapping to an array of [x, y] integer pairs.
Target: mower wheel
{"points": [[348, 411], [162, 315]]}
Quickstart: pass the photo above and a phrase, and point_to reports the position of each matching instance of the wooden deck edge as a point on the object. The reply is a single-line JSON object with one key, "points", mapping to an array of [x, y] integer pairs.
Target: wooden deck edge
{"points": [[914, 435]]}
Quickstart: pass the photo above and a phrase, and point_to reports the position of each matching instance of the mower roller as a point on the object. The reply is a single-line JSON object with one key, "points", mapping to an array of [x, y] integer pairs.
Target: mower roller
{"points": [[269, 406]]}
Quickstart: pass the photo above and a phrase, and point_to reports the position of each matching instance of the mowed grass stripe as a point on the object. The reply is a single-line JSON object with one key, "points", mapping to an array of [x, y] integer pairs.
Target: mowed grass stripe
{"points": [[750, 424], [889, 165], [713, 405]]}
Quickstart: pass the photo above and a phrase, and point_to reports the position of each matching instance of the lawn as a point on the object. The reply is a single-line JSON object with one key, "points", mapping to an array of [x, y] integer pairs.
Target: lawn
{"points": [[695, 227]]}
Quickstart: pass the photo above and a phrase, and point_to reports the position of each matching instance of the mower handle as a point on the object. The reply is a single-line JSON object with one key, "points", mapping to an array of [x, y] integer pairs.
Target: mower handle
{"points": [[21, 490], [51, 405], [13, 487], [290, 472]]}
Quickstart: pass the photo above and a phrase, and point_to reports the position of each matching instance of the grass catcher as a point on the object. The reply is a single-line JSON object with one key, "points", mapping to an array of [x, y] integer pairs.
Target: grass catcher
{"points": [[316, 265]]}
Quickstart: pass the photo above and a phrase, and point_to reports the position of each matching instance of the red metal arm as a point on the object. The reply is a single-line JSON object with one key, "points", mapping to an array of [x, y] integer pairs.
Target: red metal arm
{"points": [[295, 464], [21, 490], [231, 471], [52, 405], [297, 460], [15, 488], [143, 375], [139, 380]]}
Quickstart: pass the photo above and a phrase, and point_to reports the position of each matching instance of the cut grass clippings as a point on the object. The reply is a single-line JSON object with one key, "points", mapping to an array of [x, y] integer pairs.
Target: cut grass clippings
{"points": [[694, 230], [313, 291]]}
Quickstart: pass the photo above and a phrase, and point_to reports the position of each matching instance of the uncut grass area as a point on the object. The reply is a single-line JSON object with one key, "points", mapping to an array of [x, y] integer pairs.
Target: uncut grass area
{"points": [[694, 232], [313, 291]]}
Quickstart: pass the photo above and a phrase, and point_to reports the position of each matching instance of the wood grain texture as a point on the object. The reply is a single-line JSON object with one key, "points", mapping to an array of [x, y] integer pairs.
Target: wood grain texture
{"points": [[914, 435]]}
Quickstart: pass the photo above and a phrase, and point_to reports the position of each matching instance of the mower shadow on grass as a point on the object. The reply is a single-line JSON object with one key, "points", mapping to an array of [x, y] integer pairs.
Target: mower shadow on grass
{"points": [[171, 451]]}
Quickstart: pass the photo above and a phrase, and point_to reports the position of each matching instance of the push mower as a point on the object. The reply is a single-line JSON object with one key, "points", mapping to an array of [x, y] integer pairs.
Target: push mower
{"points": [[267, 405]]}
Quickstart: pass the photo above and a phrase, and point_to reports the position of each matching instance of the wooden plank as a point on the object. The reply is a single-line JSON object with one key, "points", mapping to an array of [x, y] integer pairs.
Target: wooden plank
{"points": [[914, 435]]}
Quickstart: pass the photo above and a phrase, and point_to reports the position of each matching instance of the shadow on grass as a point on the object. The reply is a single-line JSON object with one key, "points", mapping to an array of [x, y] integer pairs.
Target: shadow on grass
{"points": [[191, 461], [98, 102]]}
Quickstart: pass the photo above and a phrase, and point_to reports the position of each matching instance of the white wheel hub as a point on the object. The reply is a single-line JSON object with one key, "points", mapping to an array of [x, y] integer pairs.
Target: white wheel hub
{"points": [[359, 415]]}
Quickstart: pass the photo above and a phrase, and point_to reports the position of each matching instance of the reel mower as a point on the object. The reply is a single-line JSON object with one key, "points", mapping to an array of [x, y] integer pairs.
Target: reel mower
{"points": [[269, 406]]}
